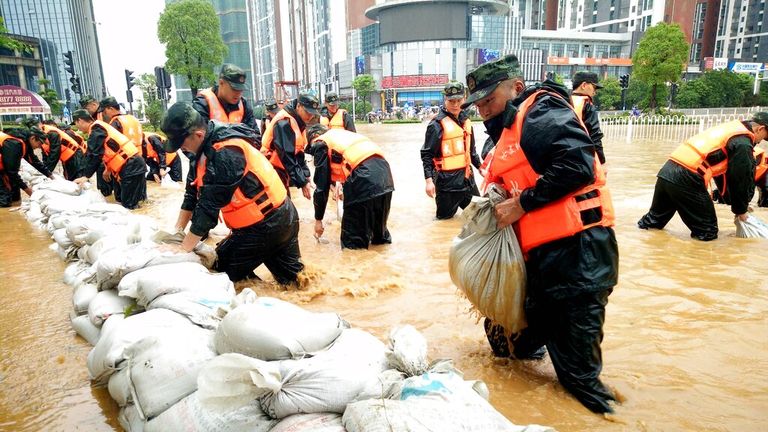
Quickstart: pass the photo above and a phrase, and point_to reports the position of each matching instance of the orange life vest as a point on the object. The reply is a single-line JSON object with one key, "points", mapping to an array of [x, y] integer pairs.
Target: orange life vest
{"points": [[150, 152], [169, 157], [131, 128], [216, 110], [114, 160], [268, 138], [243, 211], [353, 149], [68, 144], [455, 146], [324, 121], [337, 121], [693, 154], [578, 102], [762, 163], [555, 220], [3, 137]]}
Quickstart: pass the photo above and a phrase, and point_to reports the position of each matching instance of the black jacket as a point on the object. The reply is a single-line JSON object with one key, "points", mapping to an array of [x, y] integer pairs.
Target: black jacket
{"points": [[739, 176], [284, 143], [370, 179], [224, 172], [349, 122], [559, 150], [54, 151], [12, 151], [157, 145], [96, 141], [201, 105], [592, 122], [446, 181]]}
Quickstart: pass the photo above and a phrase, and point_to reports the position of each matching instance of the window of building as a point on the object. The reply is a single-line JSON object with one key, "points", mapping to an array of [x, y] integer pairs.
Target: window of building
{"points": [[7, 52], [594, 19], [9, 75], [695, 56]]}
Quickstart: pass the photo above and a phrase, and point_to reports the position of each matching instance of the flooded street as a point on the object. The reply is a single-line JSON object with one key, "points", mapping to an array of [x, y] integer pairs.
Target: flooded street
{"points": [[686, 335]]}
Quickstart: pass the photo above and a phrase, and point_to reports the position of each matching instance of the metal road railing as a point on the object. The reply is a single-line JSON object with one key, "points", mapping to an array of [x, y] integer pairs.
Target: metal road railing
{"points": [[661, 128]]}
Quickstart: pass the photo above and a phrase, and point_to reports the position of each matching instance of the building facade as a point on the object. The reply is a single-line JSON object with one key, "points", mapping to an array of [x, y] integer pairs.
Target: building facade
{"points": [[61, 26], [22, 68], [742, 31]]}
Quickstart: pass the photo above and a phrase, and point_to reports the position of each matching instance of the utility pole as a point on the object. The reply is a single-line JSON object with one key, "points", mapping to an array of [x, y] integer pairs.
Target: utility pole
{"points": [[128, 93]]}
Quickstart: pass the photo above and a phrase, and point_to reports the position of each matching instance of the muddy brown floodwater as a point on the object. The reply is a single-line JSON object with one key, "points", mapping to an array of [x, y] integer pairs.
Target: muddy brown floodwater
{"points": [[686, 335]]}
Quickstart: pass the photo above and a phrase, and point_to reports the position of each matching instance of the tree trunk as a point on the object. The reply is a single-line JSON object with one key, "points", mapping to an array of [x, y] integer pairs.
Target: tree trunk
{"points": [[652, 102]]}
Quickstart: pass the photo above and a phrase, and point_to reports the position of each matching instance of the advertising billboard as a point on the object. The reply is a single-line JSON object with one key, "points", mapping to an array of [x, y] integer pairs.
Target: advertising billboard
{"points": [[485, 55]]}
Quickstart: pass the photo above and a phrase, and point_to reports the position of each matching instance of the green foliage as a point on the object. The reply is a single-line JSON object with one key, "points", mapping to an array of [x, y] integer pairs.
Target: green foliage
{"points": [[154, 112], [660, 58], [362, 107], [609, 97], [148, 85], [640, 94], [721, 88], [50, 96], [190, 30], [364, 85], [10, 43]]}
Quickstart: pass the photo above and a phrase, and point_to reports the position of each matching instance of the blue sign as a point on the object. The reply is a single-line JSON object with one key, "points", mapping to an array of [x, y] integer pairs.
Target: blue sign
{"points": [[486, 55], [359, 65]]}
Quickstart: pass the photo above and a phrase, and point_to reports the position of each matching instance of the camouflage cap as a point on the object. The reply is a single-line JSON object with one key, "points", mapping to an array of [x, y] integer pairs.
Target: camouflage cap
{"points": [[85, 100], [454, 90], [271, 106], [108, 102], [484, 79], [36, 132], [310, 103], [233, 75], [30, 121], [331, 98], [81, 114], [761, 118], [179, 121], [585, 77]]}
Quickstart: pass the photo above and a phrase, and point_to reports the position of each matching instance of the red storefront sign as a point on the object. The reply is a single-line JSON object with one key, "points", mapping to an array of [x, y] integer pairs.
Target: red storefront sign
{"points": [[589, 61], [408, 81]]}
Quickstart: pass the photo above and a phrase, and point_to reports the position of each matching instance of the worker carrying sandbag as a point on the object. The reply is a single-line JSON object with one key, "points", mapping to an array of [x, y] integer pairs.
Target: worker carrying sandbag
{"points": [[487, 264]]}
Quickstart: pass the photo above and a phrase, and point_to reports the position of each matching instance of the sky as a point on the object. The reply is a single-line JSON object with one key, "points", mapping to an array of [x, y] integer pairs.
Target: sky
{"points": [[127, 33]]}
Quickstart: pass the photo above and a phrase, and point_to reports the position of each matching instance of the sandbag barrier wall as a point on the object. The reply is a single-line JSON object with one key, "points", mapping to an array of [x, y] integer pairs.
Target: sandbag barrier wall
{"points": [[179, 350]]}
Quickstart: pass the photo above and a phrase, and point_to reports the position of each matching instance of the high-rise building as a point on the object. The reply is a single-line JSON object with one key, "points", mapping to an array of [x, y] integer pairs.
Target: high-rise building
{"points": [[61, 26], [742, 26], [22, 68]]}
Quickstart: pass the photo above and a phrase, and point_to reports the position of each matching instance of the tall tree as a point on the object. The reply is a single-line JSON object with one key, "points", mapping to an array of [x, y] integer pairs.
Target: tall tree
{"points": [[364, 85], [191, 32], [660, 58], [609, 97], [148, 85]]}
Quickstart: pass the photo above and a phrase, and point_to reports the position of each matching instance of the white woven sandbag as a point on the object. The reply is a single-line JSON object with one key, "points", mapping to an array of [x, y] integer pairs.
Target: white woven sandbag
{"points": [[159, 276], [108, 303], [85, 328], [318, 422], [81, 299], [189, 415], [220, 288], [62, 186], [113, 264], [407, 351], [753, 227], [273, 329], [198, 305]]}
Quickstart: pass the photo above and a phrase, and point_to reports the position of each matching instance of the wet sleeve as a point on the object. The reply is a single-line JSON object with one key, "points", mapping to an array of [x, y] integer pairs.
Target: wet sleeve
{"points": [[592, 121], [50, 161], [117, 125], [95, 151], [284, 143], [322, 179], [740, 183], [201, 105], [157, 145], [476, 162], [430, 149], [31, 157], [558, 149], [190, 191], [248, 118], [488, 145], [222, 177], [12, 151], [349, 122]]}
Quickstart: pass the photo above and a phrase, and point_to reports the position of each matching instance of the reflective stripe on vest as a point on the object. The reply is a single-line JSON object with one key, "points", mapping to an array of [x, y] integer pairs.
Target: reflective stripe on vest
{"points": [[556, 220], [268, 138], [353, 148], [216, 110], [131, 128], [337, 121], [762, 163], [578, 102], [242, 211], [68, 144], [3, 137], [455, 146], [694, 152], [150, 152], [114, 160]]}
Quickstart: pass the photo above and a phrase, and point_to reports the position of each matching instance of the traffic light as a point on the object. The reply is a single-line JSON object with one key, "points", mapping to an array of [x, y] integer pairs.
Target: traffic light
{"points": [[550, 75], [129, 79], [68, 95], [75, 80], [624, 81], [68, 65]]}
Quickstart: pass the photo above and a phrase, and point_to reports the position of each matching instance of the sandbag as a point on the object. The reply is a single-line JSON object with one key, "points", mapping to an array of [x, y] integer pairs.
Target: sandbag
{"points": [[753, 227], [130, 419], [73, 270], [272, 329], [61, 186], [113, 264], [217, 285], [85, 328], [163, 369], [407, 351], [431, 402], [119, 387], [319, 422], [189, 415], [103, 245], [84, 294], [156, 277], [109, 353], [61, 238], [206, 253], [108, 303], [487, 264], [198, 305], [326, 382]]}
